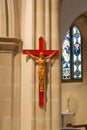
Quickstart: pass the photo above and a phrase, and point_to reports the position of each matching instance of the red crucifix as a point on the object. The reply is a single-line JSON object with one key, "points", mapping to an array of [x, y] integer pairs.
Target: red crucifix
{"points": [[38, 55]]}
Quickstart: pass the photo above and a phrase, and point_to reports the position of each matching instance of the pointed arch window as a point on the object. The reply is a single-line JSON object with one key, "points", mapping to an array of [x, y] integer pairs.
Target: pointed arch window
{"points": [[72, 55]]}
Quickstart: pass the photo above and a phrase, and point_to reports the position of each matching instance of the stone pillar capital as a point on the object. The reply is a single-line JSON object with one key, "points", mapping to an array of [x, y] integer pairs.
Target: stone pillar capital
{"points": [[9, 44]]}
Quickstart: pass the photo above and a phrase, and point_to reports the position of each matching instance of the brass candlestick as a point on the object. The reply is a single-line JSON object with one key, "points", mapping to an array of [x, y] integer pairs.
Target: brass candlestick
{"points": [[68, 105]]}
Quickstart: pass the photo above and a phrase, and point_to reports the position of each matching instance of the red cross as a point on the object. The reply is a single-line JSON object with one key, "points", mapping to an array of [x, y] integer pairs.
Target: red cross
{"points": [[36, 52], [41, 49]]}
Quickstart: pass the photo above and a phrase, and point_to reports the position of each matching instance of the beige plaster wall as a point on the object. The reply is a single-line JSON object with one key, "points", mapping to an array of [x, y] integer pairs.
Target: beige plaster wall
{"points": [[77, 92]]}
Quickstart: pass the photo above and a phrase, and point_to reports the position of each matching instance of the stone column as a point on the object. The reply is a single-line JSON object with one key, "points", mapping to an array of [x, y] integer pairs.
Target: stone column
{"points": [[40, 19], [48, 65], [9, 87], [55, 70], [52, 115], [46, 24], [3, 14], [38, 122]]}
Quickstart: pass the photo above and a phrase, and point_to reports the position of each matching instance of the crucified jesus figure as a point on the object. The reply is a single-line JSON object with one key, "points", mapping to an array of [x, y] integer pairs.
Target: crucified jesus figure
{"points": [[41, 62]]}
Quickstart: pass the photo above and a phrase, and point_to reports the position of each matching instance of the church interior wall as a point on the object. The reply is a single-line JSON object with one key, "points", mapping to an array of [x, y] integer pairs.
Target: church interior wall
{"points": [[75, 91], [17, 86], [77, 94]]}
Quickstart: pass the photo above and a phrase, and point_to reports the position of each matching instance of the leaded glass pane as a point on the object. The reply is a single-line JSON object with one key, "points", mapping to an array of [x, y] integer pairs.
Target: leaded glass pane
{"points": [[66, 57], [76, 53]]}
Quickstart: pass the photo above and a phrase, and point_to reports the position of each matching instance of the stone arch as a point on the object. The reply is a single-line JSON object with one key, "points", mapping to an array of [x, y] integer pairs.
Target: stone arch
{"points": [[68, 14], [10, 15]]}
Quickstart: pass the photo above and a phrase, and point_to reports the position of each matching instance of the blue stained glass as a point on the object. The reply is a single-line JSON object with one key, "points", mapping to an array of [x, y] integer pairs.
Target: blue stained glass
{"points": [[76, 51], [72, 55], [66, 57]]}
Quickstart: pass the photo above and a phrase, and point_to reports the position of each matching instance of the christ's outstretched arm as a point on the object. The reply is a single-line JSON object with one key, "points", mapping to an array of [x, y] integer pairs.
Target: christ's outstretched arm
{"points": [[51, 55], [32, 56]]}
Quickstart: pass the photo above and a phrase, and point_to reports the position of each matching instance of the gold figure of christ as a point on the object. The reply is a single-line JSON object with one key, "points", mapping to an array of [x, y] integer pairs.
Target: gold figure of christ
{"points": [[41, 60]]}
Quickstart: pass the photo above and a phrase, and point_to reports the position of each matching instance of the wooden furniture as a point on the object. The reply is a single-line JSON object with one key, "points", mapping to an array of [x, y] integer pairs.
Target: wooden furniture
{"points": [[80, 126], [68, 122], [70, 128]]}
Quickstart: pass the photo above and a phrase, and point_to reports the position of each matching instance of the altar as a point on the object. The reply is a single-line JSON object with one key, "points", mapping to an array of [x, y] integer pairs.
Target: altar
{"points": [[67, 118], [70, 128]]}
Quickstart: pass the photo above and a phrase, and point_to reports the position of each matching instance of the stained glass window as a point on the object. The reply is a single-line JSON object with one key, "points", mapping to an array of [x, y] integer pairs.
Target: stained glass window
{"points": [[72, 55]]}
